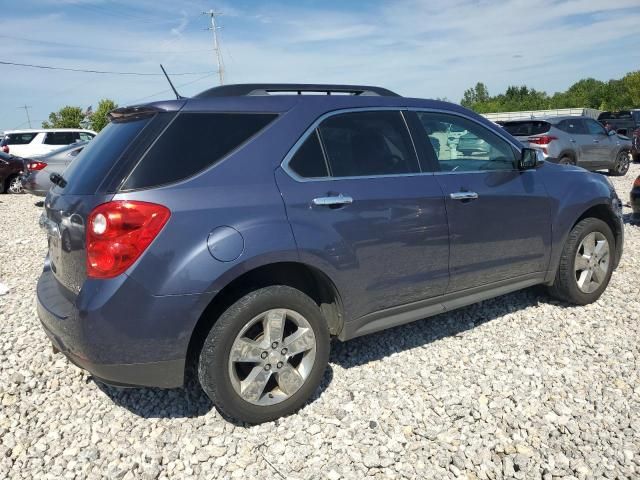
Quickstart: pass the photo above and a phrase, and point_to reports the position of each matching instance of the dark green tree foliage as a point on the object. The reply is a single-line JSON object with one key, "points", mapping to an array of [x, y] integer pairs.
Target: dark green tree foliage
{"points": [[66, 117], [586, 93]]}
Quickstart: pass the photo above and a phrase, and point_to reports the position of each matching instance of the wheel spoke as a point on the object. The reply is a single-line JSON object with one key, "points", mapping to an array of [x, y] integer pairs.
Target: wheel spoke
{"points": [[274, 325], [589, 244], [584, 280], [602, 248], [601, 271], [289, 379], [300, 341], [245, 350], [252, 387], [581, 263]]}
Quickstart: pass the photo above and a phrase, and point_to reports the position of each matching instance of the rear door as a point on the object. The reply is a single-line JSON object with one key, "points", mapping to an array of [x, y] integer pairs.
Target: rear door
{"points": [[600, 143], [361, 210], [499, 217]]}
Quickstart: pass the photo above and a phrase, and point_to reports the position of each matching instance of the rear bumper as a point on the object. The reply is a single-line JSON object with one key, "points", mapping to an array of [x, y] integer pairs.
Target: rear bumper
{"points": [[119, 332], [30, 185]]}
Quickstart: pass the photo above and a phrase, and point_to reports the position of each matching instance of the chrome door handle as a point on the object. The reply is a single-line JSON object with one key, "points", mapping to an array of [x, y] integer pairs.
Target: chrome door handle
{"points": [[332, 201], [464, 195]]}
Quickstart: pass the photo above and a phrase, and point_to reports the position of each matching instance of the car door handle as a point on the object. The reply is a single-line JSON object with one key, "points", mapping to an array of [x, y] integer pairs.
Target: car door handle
{"points": [[572, 140], [463, 195], [333, 201]]}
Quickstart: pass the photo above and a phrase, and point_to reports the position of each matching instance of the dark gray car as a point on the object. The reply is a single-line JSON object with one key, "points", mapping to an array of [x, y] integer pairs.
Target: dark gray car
{"points": [[578, 141], [39, 169]]}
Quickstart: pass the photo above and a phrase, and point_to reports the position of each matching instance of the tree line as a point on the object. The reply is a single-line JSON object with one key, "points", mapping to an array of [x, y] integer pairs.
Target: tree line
{"points": [[76, 117], [615, 94]]}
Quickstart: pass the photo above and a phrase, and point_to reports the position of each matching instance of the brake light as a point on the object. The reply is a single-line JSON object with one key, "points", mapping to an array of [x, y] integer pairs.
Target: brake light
{"points": [[542, 139], [117, 234], [35, 166]]}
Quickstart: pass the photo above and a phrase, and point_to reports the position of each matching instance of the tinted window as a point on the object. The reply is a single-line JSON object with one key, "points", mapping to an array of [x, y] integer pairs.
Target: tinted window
{"points": [[368, 143], [100, 155], [526, 128], [61, 138], [476, 149], [574, 126], [193, 142], [18, 138], [594, 128], [309, 160], [84, 136]]}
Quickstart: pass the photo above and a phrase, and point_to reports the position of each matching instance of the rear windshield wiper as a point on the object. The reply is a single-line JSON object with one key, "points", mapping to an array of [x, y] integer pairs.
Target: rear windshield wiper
{"points": [[58, 180]]}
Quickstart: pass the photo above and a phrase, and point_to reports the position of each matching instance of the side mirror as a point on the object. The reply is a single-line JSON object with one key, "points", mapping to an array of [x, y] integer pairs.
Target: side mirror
{"points": [[528, 159], [611, 133]]}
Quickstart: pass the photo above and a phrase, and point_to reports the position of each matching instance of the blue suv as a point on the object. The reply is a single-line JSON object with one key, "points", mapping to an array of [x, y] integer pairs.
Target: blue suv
{"points": [[243, 228]]}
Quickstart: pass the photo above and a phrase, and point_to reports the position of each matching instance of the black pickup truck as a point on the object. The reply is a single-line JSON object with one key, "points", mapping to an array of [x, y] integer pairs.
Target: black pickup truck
{"points": [[625, 122]]}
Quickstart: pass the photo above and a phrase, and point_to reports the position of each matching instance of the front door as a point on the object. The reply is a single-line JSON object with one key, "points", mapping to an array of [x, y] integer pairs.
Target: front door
{"points": [[600, 143], [499, 217], [361, 210]]}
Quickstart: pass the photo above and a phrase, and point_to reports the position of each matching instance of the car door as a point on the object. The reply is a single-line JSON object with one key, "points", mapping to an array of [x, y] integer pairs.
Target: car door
{"points": [[361, 211], [600, 143], [499, 216]]}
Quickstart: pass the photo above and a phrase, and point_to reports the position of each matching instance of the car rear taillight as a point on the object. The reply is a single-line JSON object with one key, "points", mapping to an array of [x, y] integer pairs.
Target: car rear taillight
{"points": [[34, 166], [542, 139], [118, 232]]}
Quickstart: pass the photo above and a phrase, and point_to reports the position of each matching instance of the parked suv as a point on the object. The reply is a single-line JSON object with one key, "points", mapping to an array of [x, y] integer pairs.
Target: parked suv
{"points": [[625, 122], [32, 142], [241, 230], [574, 141]]}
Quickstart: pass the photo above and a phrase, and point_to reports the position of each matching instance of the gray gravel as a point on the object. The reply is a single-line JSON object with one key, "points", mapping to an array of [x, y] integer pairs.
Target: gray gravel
{"points": [[515, 387]]}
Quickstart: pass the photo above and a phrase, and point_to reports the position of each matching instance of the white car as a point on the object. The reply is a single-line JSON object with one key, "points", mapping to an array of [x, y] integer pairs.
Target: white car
{"points": [[32, 142]]}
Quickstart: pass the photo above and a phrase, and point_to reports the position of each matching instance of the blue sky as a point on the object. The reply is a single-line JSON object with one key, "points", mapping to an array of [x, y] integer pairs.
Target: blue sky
{"points": [[417, 47]]}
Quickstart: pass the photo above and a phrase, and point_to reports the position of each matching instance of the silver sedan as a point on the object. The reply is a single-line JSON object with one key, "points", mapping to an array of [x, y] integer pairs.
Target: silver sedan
{"points": [[39, 169]]}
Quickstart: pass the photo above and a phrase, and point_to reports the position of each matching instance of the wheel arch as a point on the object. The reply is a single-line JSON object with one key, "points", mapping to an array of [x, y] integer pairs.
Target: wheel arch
{"points": [[310, 280]]}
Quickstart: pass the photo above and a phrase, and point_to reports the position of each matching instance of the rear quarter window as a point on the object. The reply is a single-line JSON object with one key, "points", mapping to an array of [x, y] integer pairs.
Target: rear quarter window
{"points": [[192, 143], [526, 128], [18, 138]]}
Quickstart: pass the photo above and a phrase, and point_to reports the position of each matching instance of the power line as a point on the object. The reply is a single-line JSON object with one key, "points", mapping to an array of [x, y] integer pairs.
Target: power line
{"points": [[130, 102], [48, 67], [26, 109], [87, 47], [216, 44]]}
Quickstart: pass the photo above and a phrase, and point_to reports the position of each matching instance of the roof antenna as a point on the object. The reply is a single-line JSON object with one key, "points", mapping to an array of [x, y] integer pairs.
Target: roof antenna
{"points": [[178, 96]]}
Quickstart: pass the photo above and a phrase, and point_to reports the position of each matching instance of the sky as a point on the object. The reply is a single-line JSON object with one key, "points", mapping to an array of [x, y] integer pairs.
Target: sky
{"points": [[418, 48]]}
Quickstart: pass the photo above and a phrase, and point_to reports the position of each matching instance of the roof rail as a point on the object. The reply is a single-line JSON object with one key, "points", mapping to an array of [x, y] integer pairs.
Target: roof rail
{"points": [[248, 89]]}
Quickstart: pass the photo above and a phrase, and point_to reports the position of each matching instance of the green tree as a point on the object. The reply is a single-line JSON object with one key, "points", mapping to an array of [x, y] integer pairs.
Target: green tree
{"points": [[476, 95], [632, 83], [66, 117], [98, 119]]}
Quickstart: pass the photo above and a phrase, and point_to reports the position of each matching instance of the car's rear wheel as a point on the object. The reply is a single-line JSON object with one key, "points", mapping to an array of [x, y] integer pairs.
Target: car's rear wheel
{"points": [[566, 160], [265, 356], [14, 185], [621, 166], [586, 263]]}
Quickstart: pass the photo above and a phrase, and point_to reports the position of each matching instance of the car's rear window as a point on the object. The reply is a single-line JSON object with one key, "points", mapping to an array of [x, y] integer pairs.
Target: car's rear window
{"points": [[526, 128], [17, 138], [622, 115], [192, 143], [100, 155]]}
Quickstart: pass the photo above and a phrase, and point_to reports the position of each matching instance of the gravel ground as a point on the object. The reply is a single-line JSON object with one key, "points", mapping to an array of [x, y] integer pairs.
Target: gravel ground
{"points": [[515, 387]]}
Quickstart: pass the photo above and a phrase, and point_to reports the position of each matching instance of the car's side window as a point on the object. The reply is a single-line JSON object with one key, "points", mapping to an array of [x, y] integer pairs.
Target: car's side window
{"points": [[309, 161], [594, 128], [574, 127], [85, 136], [461, 145], [59, 138], [368, 143]]}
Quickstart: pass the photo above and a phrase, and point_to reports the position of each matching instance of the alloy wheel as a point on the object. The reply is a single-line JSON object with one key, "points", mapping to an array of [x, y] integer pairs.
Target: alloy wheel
{"points": [[15, 186], [622, 164], [592, 262], [272, 357]]}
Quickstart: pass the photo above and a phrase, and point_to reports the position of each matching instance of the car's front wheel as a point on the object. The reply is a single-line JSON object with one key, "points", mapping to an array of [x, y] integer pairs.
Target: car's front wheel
{"points": [[586, 263], [266, 355], [621, 166]]}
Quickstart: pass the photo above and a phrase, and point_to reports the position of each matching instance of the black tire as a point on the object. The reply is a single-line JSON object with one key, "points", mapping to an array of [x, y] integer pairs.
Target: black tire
{"points": [[565, 286], [213, 364], [566, 160], [8, 184], [622, 165]]}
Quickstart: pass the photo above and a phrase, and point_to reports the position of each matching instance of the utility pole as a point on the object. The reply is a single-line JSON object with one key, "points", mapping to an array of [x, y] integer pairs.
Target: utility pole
{"points": [[26, 109], [216, 43]]}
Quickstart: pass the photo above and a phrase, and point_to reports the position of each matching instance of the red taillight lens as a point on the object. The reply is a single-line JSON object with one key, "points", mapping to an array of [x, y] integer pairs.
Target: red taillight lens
{"points": [[542, 140], [35, 165], [117, 234]]}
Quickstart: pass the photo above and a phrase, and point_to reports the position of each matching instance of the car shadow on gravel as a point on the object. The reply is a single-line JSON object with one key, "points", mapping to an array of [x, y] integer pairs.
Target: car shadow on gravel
{"points": [[187, 402], [376, 346]]}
